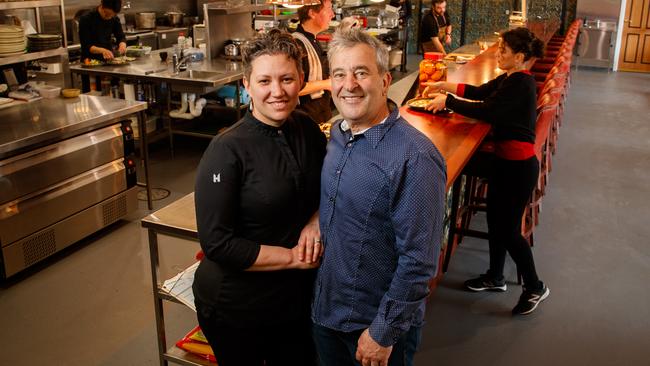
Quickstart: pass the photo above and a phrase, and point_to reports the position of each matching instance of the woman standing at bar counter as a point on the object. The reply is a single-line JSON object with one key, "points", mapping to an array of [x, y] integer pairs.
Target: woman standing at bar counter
{"points": [[508, 103], [257, 190]]}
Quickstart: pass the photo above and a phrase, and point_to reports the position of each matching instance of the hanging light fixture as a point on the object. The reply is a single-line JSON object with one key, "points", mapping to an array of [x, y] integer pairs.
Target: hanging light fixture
{"points": [[293, 4]]}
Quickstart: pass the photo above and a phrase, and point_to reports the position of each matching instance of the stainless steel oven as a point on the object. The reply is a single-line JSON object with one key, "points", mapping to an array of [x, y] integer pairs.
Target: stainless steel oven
{"points": [[57, 194]]}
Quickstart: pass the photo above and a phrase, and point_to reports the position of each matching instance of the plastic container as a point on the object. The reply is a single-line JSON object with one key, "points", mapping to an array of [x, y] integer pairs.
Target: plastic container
{"points": [[137, 51], [48, 91], [432, 69]]}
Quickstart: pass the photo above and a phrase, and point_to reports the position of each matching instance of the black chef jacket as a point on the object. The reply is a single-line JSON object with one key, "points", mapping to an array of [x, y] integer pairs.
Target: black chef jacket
{"points": [[96, 31], [256, 184]]}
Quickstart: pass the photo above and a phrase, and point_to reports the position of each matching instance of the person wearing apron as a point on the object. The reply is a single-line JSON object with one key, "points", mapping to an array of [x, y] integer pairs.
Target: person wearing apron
{"points": [[315, 97], [435, 28]]}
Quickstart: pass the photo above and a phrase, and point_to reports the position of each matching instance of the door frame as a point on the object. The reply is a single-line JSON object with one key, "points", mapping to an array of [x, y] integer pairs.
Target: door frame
{"points": [[619, 34]]}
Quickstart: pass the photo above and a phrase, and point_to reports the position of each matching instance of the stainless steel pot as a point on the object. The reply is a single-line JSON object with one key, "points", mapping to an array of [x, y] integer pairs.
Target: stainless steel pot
{"points": [[233, 47], [175, 18], [231, 50], [146, 20]]}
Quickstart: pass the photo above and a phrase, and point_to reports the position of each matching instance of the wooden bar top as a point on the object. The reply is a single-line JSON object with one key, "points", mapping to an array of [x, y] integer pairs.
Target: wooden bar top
{"points": [[455, 136]]}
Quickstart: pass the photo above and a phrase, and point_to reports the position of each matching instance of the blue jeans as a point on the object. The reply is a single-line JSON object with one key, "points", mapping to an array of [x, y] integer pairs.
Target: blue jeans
{"points": [[336, 348]]}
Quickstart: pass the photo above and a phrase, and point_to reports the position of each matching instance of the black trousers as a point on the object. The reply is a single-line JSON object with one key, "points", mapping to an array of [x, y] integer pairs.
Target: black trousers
{"points": [[510, 185], [288, 344]]}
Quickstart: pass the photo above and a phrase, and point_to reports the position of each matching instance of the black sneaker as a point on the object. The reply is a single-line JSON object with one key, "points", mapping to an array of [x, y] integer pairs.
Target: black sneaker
{"points": [[529, 300], [485, 283]]}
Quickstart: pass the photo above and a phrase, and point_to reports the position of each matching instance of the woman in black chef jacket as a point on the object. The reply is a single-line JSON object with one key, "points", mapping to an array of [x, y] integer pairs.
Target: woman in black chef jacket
{"points": [[508, 103], [257, 193]]}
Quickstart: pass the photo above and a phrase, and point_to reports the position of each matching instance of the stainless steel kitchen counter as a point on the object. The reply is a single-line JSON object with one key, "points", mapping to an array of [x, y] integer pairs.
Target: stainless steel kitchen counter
{"points": [[30, 125], [216, 72]]}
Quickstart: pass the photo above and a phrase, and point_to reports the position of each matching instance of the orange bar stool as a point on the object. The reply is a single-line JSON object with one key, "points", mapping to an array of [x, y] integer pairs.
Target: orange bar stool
{"points": [[545, 116]]}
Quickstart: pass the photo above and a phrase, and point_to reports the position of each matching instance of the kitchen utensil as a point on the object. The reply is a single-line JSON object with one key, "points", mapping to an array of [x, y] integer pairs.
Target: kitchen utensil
{"points": [[175, 18], [145, 20], [231, 50]]}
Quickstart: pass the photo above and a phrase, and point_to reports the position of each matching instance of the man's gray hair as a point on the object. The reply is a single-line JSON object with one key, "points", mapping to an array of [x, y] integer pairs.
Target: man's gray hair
{"points": [[348, 38]]}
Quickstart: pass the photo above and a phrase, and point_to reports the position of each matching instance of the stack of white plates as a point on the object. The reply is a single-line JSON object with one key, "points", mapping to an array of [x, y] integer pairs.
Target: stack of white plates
{"points": [[12, 40]]}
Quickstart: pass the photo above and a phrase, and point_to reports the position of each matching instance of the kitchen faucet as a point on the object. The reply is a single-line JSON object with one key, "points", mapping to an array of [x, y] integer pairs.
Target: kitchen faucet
{"points": [[180, 63]]}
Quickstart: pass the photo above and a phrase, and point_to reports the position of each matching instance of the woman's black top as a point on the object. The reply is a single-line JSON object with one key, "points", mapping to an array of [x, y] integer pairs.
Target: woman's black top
{"points": [[256, 185], [508, 103], [97, 31]]}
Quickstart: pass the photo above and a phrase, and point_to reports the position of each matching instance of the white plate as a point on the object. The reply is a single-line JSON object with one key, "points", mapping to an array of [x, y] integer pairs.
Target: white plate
{"points": [[6, 28], [12, 53]]}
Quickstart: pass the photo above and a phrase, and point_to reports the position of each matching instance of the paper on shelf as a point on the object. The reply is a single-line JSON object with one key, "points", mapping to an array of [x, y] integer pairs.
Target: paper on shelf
{"points": [[180, 286]]}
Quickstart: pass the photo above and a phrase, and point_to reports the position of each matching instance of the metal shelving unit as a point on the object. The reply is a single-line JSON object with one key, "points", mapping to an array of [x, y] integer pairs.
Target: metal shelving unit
{"points": [[60, 52], [28, 4], [277, 17], [235, 10], [31, 56], [178, 219], [362, 5]]}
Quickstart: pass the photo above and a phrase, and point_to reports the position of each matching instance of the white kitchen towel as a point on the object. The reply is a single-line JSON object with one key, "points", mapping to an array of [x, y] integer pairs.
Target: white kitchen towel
{"points": [[315, 67]]}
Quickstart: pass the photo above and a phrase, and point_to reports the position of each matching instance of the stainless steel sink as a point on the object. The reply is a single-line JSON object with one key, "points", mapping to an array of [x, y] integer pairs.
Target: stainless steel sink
{"points": [[196, 81], [199, 74], [194, 74]]}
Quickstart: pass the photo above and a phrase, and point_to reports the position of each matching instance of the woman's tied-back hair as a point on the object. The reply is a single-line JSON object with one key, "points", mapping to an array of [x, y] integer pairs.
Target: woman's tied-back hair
{"points": [[273, 42], [523, 40], [114, 5], [348, 38]]}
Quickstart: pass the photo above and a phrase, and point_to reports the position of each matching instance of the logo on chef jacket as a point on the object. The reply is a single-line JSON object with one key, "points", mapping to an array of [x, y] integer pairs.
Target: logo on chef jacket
{"points": [[216, 178]]}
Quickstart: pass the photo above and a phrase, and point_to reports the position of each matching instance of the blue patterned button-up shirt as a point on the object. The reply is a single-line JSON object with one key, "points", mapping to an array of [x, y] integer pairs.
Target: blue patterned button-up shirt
{"points": [[381, 217]]}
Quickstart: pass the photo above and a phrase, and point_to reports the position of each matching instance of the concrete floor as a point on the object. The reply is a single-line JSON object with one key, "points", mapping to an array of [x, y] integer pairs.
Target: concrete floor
{"points": [[92, 305]]}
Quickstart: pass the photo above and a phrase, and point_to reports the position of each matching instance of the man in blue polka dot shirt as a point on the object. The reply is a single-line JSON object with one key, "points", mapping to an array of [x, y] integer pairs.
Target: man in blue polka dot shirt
{"points": [[381, 216]]}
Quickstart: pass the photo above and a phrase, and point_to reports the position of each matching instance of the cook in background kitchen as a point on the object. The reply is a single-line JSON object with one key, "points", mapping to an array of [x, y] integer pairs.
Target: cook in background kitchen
{"points": [[95, 31], [314, 98], [435, 29]]}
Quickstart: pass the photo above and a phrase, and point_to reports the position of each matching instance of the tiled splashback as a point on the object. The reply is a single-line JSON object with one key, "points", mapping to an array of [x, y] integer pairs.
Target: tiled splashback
{"points": [[487, 16]]}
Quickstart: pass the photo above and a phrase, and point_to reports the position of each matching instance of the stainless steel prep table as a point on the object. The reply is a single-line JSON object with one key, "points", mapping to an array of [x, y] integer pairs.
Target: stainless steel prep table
{"points": [[208, 74], [31, 125], [178, 219]]}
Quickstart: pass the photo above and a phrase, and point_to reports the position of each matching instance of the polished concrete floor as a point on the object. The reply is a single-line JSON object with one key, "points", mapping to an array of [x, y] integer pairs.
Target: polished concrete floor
{"points": [[92, 304]]}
